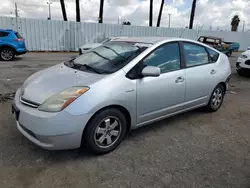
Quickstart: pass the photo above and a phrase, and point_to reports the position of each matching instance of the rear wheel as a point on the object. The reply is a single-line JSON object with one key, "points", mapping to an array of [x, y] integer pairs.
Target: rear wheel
{"points": [[7, 54], [216, 98], [105, 131]]}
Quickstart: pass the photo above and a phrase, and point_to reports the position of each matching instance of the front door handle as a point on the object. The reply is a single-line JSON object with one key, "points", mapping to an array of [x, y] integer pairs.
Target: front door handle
{"points": [[213, 71], [179, 80]]}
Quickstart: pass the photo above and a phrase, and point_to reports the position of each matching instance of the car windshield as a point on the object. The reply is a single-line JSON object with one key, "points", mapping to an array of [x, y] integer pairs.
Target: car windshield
{"points": [[108, 58]]}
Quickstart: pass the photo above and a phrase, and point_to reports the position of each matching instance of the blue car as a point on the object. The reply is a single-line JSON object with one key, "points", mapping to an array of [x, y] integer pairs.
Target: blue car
{"points": [[11, 44]]}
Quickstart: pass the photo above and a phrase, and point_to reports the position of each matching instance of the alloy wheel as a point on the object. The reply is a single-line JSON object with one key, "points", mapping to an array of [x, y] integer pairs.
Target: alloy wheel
{"points": [[217, 98], [6, 54], [108, 132]]}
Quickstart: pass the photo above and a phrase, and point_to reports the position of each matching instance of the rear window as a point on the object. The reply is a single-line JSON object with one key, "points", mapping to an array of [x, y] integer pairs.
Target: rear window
{"points": [[4, 34], [18, 36]]}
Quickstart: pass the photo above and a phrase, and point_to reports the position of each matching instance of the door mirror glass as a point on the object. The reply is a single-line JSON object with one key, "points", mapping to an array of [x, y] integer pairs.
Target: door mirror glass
{"points": [[151, 71]]}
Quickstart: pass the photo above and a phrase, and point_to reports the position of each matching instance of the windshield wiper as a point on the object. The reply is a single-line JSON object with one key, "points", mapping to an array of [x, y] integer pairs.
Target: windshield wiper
{"points": [[88, 67], [114, 51]]}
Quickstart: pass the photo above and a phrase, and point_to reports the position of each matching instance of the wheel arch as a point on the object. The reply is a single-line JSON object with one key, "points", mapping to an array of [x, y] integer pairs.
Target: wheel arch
{"points": [[118, 107], [223, 85], [8, 46]]}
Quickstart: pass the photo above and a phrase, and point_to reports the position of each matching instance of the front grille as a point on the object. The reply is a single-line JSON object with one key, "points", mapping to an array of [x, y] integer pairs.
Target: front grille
{"points": [[28, 131], [29, 103], [247, 62]]}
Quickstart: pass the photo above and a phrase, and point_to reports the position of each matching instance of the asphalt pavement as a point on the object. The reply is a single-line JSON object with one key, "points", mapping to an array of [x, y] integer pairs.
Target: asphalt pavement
{"points": [[194, 149]]}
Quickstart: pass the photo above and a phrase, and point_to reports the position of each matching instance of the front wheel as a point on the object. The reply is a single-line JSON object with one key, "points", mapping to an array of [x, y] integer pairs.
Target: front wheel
{"points": [[7, 54], [105, 131], [216, 98]]}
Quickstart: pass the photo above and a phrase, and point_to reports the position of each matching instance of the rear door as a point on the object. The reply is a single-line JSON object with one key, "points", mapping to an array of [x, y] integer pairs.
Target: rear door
{"points": [[3, 36], [200, 74]]}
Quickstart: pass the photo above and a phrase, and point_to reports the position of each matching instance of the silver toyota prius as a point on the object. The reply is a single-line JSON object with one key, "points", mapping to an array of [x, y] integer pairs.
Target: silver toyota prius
{"points": [[96, 98]]}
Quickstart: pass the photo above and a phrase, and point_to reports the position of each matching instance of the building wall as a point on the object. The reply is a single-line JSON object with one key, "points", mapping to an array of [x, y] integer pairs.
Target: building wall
{"points": [[55, 35]]}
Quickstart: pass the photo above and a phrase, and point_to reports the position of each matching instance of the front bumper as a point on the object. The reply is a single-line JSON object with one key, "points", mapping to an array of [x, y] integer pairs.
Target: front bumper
{"points": [[52, 131]]}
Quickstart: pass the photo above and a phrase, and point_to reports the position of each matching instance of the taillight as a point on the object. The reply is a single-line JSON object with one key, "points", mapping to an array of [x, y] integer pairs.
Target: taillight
{"points": [[18, 39]]}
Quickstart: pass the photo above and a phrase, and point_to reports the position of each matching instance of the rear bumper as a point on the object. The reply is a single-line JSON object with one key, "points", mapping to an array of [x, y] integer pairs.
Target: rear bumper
{"points": [[21, 51]]}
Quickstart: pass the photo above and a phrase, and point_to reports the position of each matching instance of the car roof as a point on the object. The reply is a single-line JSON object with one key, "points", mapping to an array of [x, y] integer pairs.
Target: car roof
{"points": [[149, 40], [8, 30], [211, 37]]}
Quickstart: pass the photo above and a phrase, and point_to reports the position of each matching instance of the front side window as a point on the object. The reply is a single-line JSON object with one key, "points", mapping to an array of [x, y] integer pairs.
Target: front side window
{"points": [[195, 54], [108, 58], [166, 57]]}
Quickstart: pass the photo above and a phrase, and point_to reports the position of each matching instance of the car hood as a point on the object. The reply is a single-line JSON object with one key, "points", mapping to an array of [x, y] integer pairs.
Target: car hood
{"points": [[42, 85], [246, 53]]}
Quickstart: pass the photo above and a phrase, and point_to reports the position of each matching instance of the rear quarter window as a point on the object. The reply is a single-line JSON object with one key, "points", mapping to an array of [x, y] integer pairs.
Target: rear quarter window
{"points": [[18, 36], [214, 56]]}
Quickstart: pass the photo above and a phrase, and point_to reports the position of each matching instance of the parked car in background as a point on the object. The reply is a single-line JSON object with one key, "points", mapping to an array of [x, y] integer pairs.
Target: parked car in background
{"points": [[96, 98], [11, 44], [234, 45], [243, 63], [90, 46], [248, 48], [225, 47]]}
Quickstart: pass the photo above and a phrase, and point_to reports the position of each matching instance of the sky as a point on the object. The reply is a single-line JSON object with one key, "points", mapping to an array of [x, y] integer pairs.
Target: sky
{"points": [[210, 14]]}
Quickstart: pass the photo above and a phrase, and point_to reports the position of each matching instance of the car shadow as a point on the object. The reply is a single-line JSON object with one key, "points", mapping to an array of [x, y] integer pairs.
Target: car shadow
{"points": [[84, 154], [165, 122], [17, 59]]}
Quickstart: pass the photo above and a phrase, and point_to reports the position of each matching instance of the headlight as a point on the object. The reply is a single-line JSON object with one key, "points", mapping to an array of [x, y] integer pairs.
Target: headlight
{"points": [[61, 100], [243, 56]]}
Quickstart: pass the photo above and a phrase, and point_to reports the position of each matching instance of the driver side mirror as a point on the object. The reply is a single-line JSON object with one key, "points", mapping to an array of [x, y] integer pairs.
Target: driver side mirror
{"points": [[151, 71]]}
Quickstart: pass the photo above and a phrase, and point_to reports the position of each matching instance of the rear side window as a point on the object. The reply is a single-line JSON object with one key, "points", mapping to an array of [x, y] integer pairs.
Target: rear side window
{"points": [[18, 36], [195, 54], [3, 34], [210, 40], [213, 55]]}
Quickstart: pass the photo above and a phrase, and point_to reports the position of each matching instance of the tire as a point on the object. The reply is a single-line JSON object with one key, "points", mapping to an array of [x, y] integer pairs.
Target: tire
{"points": [[229, 54], [216, 98], [240, 73], [7, 54], [99, 129]]}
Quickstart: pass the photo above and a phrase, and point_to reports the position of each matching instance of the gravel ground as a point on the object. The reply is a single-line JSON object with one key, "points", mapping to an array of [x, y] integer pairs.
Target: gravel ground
{"points": [[194, 149]]}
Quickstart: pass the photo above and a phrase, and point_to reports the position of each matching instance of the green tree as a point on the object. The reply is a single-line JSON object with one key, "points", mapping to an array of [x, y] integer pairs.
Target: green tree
{"points": [[235, 23], [126, 23]]}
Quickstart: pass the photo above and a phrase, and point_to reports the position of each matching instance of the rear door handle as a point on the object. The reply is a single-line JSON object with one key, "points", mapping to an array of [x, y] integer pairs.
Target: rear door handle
{"points": [[179, 80], [213, 71]]}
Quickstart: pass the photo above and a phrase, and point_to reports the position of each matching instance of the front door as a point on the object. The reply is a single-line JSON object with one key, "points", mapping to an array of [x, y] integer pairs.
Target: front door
{"points": [[159, 96]]}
